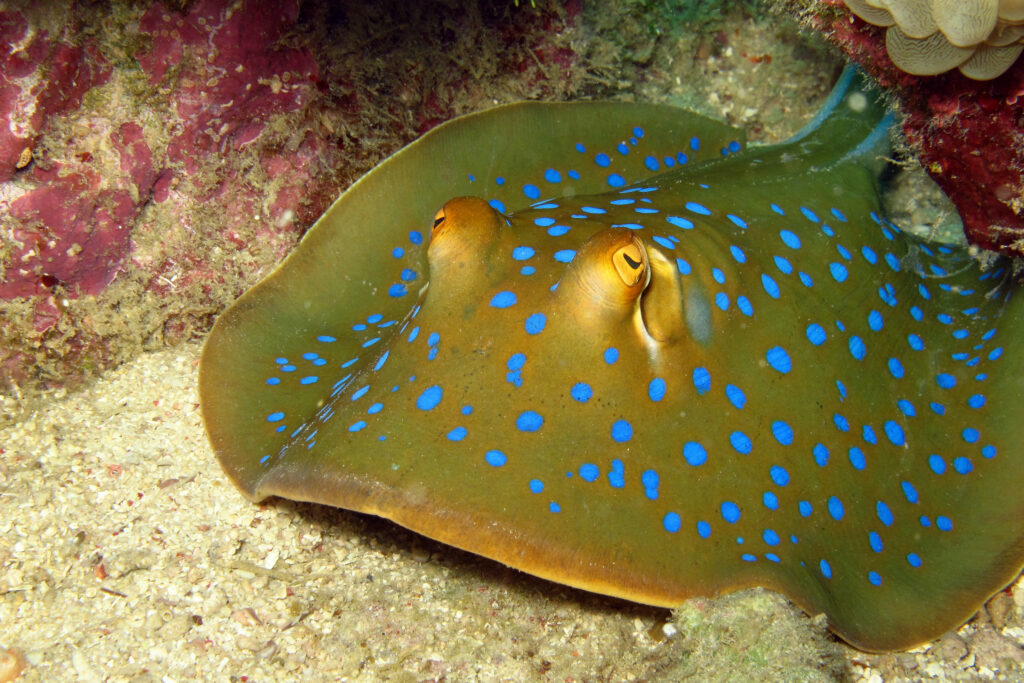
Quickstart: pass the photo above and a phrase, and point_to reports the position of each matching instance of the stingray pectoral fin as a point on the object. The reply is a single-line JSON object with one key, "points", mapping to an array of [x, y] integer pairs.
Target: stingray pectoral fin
{"points": [[366, 257]]}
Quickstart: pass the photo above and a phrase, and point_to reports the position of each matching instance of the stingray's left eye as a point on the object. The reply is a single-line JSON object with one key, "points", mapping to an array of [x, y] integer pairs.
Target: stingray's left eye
{"points": [[629, 264], [438, 218]]}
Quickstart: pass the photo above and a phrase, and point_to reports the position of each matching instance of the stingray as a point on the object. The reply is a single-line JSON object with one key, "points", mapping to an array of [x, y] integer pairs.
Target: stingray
{"points": [[614, 346]]}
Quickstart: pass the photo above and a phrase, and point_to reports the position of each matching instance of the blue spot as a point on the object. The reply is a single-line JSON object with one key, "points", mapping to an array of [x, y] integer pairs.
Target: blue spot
{"points": [[770, 537], [396, 290], [995, 353], [906, 407], [617, 476], [835, 508], [698, 208], [702, 380], [782, 432], [816, 334], [535, 323], [357, 426], [503, 299], [779, 475], [747, 557], [649, 479], [915, 342], [839, 272], [945, 381], [457, 434], [516, 361], [703, 529], [565, 255], [581, 391], [736, 396], [737, 221], [809, 215], [884, 513], [323, 338], [536, 486], [602, 160], [467, 410], [875, 578], [429, 399], [522, 253], [722, 300], [554, 507], [496, 204], [656, 389], [842, 424], [272, 381], [857, 348], [309, 380], [622, 431], [680, 222], [779, 359], [895, 368], [730, 512], [683, 266], [667, 243], [558, 230], [783, 264], [909, 492], [615, 180], [531, 191], [805, 508], [527, 270], [694, 143], [370, 342], [611, 354], [971, 435], [497, 459], [743, 303], [944, 523], [741, 443], [694, 453], [937, 464], [552, 176], [375, 408], [672, 522], [770, 500], [529, 421], [857, 459], [543, 221], [275, 417], [914, 559], [651, 163], [359, 392], [826, 569], [589, 472], [869, 434], [895, 433], [770, 285], [738, 254], [790, 239]]}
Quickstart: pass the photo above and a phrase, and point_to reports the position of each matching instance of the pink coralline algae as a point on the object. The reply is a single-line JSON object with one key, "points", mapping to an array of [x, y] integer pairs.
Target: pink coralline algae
{"points": [[156, 158], [969, 134]]}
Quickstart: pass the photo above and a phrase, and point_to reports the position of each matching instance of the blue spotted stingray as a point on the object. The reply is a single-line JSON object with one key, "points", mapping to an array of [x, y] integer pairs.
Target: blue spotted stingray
{"points": [[636, 356]]}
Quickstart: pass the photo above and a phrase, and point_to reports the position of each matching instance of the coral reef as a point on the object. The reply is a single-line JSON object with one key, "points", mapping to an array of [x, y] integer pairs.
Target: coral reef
{"points": [[981, 38], [969, 134], [156, 158]]}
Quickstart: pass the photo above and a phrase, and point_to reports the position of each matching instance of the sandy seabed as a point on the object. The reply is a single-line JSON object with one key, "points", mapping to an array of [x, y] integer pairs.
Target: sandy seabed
{"points": [[126, 555]]}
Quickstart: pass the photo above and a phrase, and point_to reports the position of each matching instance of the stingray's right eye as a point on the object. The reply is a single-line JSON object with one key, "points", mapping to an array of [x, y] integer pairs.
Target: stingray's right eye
{"points": [[629, 263]]}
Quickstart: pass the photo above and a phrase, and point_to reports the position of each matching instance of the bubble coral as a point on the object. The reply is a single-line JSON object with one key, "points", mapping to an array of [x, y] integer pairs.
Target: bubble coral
{"points": [[982, 38]]}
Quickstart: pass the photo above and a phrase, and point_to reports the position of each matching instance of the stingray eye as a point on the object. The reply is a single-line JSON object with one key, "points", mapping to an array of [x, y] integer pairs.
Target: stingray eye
{"points": [[629, 264], [438, 218]]}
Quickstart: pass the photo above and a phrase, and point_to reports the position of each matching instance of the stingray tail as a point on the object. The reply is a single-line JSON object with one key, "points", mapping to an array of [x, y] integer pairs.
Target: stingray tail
{"points": [[854, 122]]}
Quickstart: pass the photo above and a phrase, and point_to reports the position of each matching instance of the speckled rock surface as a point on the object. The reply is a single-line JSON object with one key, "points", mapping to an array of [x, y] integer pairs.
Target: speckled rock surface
{"points": [[159, 158]]}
